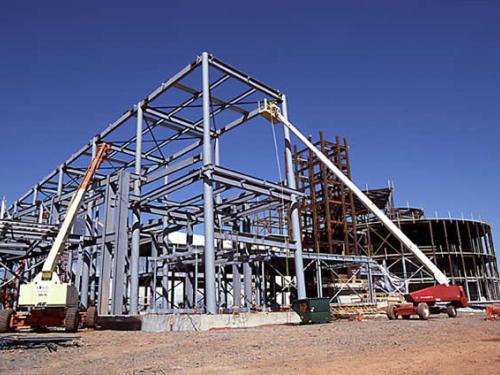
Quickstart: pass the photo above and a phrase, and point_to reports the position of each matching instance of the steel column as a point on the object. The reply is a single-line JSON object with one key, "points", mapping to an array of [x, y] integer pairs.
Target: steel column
{"points": [[136, 219], [106, 249], [208, 204], [294, 215], [86, 254], [121, 243]]}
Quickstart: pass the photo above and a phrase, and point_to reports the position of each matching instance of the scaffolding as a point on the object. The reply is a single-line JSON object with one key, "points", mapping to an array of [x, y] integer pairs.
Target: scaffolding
{"points": [[327, 211]]}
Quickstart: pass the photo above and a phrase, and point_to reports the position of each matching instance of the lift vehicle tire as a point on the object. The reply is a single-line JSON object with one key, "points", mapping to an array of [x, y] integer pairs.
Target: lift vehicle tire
{"points": [[391, 312], [423, 311], [91, 316], [5, 317], [451, 311], [71, 319]]}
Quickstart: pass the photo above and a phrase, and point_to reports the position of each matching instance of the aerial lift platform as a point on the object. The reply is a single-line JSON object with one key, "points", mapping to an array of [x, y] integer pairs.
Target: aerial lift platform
{"points": [[46, 301], [436, 299]]}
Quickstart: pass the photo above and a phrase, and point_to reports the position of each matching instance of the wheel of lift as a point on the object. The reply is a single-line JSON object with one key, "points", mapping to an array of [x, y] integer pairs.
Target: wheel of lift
{"points": [[391, 312], [5, 317], [71, 319], [91, 316], [451, 310], [423, 311]]}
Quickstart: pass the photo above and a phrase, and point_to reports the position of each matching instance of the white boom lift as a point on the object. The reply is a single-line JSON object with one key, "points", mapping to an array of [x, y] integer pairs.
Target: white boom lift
{"points": [[52, 302], [421, 302], [273, 113]]}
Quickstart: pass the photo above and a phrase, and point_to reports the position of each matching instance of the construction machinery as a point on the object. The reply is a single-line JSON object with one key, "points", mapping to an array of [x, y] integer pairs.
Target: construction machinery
{"points": [[422, 302], [433, 300], [493, 312], [46, 301]]}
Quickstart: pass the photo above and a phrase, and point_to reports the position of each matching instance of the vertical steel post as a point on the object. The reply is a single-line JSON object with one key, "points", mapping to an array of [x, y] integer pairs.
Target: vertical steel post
{"points": [[119, 285], [196, 279], [319, 279], [208, 204], [3, 209], [258, 281], [371, 290], [40, 213], [247, 283], [155, 276], [247, 271], [136, 219], [294, 215], [60, 183], [152, 282], [164, 285], [189, 291], [86, 254], [236, 285], [106, 250], [164, 298], [263, 285], [60, 178], [35, 198]]}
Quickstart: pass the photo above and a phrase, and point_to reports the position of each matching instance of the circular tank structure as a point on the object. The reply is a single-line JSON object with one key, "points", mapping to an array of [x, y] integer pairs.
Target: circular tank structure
{"points": [[463, 249]]}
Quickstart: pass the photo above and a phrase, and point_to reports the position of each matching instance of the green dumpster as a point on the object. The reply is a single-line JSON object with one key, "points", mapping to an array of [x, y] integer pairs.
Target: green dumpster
{"points": [[313, 310]]}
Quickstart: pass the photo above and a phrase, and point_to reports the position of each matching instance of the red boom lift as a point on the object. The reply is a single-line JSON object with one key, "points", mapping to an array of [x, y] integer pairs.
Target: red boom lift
{"points": [[422, 302], [427, 301]]}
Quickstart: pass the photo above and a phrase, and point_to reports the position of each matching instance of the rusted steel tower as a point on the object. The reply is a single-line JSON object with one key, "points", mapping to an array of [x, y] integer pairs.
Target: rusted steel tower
{"points": [[327, 208]]}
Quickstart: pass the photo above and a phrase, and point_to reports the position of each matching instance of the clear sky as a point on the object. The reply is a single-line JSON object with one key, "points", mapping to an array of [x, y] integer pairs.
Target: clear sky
{"points": [[414, 85]]}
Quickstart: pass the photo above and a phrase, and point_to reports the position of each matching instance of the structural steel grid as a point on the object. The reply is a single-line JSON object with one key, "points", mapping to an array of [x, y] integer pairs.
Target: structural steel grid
{"points": [[166, 226]]}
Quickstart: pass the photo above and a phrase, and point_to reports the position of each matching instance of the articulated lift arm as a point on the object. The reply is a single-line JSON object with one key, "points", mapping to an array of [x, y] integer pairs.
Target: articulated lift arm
{"points": [[272, 112], [58, 246]]}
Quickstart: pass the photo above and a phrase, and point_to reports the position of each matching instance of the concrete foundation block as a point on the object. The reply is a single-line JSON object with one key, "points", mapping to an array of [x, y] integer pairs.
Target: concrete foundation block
{"points": [[190, 322]]}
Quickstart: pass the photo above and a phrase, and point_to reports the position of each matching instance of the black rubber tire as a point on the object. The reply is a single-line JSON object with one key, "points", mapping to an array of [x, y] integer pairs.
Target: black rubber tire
{"points": [[391, 312], [71, 319], [423, 311], [5, 316], [91, 316], [451, 311]]}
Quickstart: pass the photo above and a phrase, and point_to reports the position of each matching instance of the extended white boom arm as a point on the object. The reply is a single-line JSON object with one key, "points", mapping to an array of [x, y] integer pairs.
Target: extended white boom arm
{"points": [[74, 205], [272, 112]]}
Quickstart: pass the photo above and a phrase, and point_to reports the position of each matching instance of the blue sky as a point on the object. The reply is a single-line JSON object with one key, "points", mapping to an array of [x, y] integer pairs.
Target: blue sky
{"points": [[414, 85]]}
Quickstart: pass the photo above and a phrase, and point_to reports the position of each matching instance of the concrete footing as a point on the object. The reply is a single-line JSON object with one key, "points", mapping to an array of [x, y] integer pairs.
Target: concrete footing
{"points": [[204, 322]]}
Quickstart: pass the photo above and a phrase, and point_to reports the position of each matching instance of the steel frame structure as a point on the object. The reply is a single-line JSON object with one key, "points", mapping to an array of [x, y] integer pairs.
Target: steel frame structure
{"points": [[134, 247]]}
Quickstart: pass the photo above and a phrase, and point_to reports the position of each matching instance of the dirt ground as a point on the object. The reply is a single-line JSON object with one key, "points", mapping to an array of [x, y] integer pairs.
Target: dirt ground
{"points": [[465, 345]]}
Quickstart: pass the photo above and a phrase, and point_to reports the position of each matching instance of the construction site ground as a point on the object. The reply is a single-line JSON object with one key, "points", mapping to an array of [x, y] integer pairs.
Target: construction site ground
{"points": [[465, 345]]}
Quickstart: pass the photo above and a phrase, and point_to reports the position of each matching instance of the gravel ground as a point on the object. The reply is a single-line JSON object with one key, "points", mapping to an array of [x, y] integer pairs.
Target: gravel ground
{"points": [[465, 345]]}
